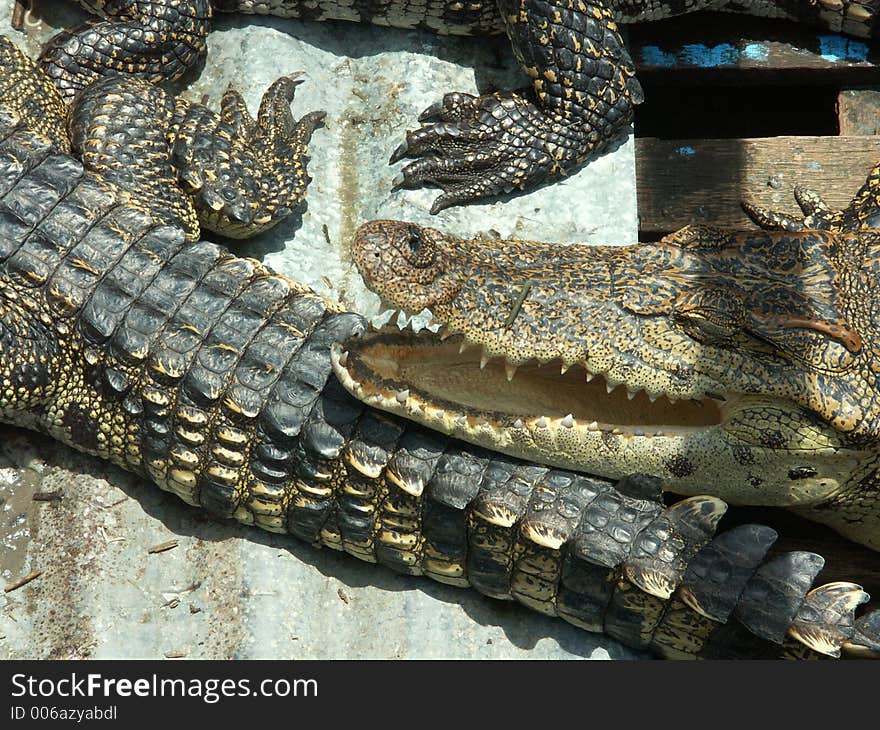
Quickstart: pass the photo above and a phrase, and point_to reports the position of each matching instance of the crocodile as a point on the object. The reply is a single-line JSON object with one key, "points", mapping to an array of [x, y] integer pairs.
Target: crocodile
{"points": [[226, 173], [583, 86], [211, 376], [742, 363]]}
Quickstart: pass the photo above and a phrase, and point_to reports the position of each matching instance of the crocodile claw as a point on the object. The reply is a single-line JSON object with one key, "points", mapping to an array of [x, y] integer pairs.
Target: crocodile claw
{"points": [[482, 146], [772, 220], [432, 112], [399, 153]]}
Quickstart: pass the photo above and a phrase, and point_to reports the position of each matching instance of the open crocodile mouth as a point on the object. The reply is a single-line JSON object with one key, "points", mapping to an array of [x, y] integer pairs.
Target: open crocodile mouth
{"points": [[449, 380], [762, 449]]}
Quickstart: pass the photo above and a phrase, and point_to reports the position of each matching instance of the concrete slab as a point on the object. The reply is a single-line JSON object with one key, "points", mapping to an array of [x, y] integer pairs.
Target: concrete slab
{"points": [[228, 591]]}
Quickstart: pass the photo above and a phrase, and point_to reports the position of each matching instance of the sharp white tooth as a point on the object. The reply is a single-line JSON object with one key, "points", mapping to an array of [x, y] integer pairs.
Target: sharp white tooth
{"points": [[445, 334], [616, 431], [593, 426], [343, 358], [510, 369], [639, 432], [630, 394], [484, 360], [568, 421], [651, 397], [462, 347], [563, 369], [402, 396], [484, 423], [541, 422], [518, 423], [590, 376], [461, 420], [659, 433], [610, 388]]}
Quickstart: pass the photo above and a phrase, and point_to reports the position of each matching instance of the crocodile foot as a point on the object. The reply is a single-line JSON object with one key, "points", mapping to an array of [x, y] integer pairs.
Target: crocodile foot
{"points": [[245, 174], [475, 147], [863, 212]]}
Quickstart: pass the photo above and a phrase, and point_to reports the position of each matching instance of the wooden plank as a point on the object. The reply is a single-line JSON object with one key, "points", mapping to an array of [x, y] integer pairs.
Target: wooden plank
{"points": [[703, 181], [724, 48], [859, 112]]}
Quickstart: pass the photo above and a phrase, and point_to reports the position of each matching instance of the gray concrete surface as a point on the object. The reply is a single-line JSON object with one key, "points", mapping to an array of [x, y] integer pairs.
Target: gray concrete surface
{"points": [[229, 591]]}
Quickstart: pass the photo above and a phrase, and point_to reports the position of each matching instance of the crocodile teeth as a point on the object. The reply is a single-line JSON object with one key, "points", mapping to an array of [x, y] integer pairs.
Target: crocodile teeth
{"points": [[652, 397], [484, 360], [593, 426], [462, 347], [630, 394], [510, 369], [518, 423], [590, 376], [461, 420], [541, 422], [402, 396], [610, 388], [568, 421], [563, 369], [445, 335], [343, 358]]}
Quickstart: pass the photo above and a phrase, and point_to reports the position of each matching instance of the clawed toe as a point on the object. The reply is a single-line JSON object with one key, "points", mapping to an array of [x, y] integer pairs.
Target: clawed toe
{"points": [[478, 147]]}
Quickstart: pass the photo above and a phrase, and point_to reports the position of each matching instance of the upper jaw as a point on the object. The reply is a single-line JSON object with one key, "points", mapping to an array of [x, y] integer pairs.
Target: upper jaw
{"points": [[440, 378]]}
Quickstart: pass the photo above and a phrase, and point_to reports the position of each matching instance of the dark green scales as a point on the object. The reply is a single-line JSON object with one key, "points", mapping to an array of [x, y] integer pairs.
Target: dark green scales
{"points": [[211, 376], [582, 80]]}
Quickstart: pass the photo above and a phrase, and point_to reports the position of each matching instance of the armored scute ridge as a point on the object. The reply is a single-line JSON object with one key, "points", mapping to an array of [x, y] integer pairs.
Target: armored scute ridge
{"points": [[211, 376]]}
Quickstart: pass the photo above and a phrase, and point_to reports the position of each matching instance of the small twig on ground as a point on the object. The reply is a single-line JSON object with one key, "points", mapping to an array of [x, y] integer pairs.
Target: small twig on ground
{"points": [[16, 584]]}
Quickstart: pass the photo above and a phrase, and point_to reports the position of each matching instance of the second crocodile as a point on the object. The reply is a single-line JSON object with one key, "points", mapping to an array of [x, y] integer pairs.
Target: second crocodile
{"points": [[743, 363]]}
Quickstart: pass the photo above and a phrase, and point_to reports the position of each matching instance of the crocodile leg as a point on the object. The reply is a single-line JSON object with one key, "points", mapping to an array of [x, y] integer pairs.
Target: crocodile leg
{"points": [[211, 376], [863, 212], [154, 39], [224, 172], [583, 93]]}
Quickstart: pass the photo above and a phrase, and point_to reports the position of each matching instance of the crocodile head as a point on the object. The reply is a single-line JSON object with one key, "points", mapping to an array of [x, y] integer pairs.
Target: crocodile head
{"points": [[740, 363]]}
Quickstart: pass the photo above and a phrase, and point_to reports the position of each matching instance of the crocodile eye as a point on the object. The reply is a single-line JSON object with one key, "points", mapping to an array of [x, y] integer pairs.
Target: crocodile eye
{"points": [[414, 240], [416, 248], [710, 313]]}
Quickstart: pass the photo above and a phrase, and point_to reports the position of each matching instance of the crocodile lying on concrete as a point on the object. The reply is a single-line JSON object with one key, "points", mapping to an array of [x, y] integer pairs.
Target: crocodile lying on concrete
{"points": [[225, 172], [583, 88], [744, 364], [211, 376]]}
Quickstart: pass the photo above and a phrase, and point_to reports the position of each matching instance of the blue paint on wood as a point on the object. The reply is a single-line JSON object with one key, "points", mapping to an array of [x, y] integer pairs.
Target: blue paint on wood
{"points": [[836, 48], [653, 56], [699, 54], [756, 52]]}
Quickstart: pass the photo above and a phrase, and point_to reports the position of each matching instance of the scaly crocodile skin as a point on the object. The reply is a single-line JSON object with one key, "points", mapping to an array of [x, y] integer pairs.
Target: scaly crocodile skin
{"points": [[211, 376], [740, 363], [226, 173], [582, 90]]}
